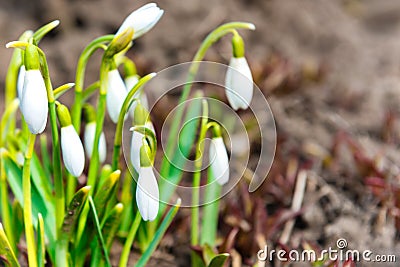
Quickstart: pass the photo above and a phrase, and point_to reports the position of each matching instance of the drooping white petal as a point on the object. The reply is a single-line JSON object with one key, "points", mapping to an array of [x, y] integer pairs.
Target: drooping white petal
{"points": [[131, 81], [136, 143], [90, 131], [34, 104], [239, 83], [142, 19], [20, 81], [219, 162], [116, 94], [147, 194], [72, 150]]}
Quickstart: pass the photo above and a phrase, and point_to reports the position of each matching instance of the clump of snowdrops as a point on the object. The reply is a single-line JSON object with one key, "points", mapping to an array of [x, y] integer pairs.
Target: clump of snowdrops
{"points": [[46, 216]]}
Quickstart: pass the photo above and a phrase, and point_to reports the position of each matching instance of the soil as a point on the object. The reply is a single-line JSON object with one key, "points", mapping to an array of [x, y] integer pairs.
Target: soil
{"points": [[331, 72]]}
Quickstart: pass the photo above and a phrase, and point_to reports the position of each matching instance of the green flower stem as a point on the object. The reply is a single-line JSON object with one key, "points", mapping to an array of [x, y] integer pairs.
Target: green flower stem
{"points": [[76, 110], [124, 109], [123, 262], [7, 119], [5, 207], [197, 176], [58, 180], [90, 90], [210, 211], [158, 235], [211, 38], [26, 188], [101, 112], [80, 77]]}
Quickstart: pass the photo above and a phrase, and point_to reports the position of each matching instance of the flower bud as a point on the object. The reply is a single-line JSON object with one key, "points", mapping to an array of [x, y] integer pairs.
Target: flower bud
{"points": [[116, 94], [142, 20], [71, 145], [147, 194], [72, 151], [239, 83], [120, 42], [34, 103], [219, 162], [90, 131]]}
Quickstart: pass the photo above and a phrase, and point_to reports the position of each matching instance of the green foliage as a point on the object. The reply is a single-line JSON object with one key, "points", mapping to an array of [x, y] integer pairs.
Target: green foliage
{"points": [[66, 225]]}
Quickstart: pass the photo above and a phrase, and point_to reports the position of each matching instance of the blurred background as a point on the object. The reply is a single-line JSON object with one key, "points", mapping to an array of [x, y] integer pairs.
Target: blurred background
{"points": [[330, 70]]}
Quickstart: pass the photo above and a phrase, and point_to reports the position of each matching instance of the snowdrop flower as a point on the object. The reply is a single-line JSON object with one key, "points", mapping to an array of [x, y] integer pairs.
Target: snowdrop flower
{"points": [[219, 162], [90, 130], [34, 103], [130, 82], [147, 193], [20, 81], [116, 94], [142, 20], [238, 80], [140, 119], [71, 145]]}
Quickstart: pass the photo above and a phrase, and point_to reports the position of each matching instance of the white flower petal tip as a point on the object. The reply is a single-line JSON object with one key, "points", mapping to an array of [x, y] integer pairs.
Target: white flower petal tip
{"points": [[239, 83], [72, 151], [136, 144], [219, 162], [116, 94], [251, 26], [34, 104], [147, 194], [20, 81], [90, 131], [142, 20]]}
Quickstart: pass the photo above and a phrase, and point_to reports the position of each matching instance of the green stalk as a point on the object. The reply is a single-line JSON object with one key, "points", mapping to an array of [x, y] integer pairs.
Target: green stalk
{"points": [[7, 119], [76, 111], [158, 235], [129, 240], [211, 38], [125, 106], [195, 224], [41, 241], [5, 208], [58, 181], [80, 77], [90, 90], [100, 235], [210, 211], [26, 188], [101, 112]]}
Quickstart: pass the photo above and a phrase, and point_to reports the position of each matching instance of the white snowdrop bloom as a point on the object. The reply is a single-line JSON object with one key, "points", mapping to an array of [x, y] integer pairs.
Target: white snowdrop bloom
{"points": [[239, 83], [20, 81], [142, 20], [136, 143], [72, 150], [90, 131], [130, 82], [34, 104], [219, 162], [147, 194], [116, 94]]}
